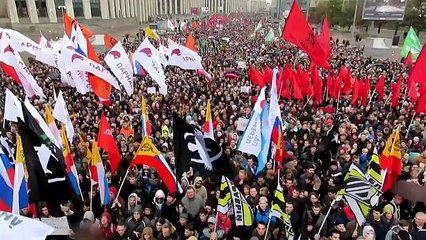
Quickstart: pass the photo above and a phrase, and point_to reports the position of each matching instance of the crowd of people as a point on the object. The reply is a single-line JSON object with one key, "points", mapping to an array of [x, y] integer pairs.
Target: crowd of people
{"points": [[144, 209]]}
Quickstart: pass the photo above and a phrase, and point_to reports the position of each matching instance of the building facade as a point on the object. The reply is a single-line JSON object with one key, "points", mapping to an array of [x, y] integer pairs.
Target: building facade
{"points": [[281, 8], [51, 11]]}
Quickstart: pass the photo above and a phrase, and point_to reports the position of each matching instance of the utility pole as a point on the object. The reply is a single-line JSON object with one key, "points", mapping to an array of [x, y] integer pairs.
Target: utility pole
{"points": [[354, 21]]}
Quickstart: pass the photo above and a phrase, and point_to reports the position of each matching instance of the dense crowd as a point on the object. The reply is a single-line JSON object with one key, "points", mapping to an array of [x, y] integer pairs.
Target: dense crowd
{"points": [[144, 208]]}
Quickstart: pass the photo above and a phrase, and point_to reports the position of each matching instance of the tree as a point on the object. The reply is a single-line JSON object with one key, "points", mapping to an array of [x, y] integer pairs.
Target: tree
{"points": [[415, 14], [334, 12]]}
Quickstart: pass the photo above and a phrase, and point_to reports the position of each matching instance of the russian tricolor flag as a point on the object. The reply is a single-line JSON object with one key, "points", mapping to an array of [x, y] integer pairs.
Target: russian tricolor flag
{"points": [[71, 170], [6, 183], [97, 173]]}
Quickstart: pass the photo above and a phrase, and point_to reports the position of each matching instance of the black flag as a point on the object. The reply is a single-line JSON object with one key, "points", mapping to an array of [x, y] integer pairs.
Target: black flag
{"points": [[193, 149], [47, 178]]}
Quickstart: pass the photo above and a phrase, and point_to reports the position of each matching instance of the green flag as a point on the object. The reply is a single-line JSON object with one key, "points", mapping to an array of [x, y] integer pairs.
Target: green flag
{"points": [[259, 26], [411, 43], [270, 37]]}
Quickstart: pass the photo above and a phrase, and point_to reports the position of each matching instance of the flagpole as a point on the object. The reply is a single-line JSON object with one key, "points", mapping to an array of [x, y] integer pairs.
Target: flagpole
{"points": [[122, 183], [326, 216], [91, 191], [270, 212], [388, 99], [217, 220], [307, 101], [411, 122], [371, 96], [338, 102]]}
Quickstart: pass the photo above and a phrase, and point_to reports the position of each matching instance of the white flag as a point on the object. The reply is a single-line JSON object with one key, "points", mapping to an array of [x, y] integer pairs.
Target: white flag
{"points": [[120, 65], [17, 67], [170, 25], [12, 108], [163, 52], [23, 43], [14, 226], [79, 62], [251, 142], [183, 57], [79, 78], [60, 112], [147, 56]]}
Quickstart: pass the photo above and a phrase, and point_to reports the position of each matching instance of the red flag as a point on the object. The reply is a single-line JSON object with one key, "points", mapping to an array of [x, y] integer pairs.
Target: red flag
{"points": [[381, 87], [267, 74], [409, 59], [356, 92], [347, 81], [256, 77], [396, 91], [297, 31], [317, 85], [365, 92], [421, 105], [284, 89], [324, 39], [305, 81], [418, 72], [412, 92], [297, 93], [106, 141], [109, 41]]}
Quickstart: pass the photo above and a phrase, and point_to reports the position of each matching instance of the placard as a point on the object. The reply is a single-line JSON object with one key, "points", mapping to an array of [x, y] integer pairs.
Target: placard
{"points": [[59, 224], [152, 90], [242, 64], [245, 89], [242, 124]]}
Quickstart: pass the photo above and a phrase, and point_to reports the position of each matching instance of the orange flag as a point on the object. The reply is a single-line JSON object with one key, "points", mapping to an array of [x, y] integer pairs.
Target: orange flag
{"points": [[109, 41], [69, 22], [101, 88], [190, 43]]}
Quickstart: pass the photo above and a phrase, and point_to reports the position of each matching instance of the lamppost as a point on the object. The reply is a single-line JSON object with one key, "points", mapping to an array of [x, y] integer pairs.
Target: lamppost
{"points": [[354, 20]]}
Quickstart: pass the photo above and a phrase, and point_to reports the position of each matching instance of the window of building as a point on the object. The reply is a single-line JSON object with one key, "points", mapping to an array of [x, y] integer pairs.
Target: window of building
{"points": [[78, 8], [41, 8], [21, 7], [95, 6]]}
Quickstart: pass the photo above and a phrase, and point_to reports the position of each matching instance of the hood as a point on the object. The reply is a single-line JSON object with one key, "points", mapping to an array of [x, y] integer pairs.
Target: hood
{"points": [[198, 179], [160, 194], [134, 195], [89, 215]]}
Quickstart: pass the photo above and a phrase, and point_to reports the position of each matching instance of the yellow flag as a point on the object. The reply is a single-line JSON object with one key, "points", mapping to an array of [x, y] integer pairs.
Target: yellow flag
{"points": [[144, 108], [388, 146], [88, 153], [151, 33], [49, 117], [96, 156], [20, 157], [396, 146]]}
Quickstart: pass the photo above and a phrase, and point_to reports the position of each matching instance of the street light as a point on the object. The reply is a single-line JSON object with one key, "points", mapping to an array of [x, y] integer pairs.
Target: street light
{"points": [[354, 20]]}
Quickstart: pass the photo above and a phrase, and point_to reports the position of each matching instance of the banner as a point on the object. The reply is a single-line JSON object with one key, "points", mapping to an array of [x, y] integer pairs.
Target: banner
{"points": [[18, 227], [384, 9], [59, 224]]}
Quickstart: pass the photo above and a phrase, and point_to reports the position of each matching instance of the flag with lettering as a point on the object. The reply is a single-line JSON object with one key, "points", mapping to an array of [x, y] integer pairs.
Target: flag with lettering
{"points": [[119, 63], [183, 57]]}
